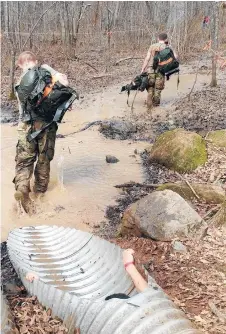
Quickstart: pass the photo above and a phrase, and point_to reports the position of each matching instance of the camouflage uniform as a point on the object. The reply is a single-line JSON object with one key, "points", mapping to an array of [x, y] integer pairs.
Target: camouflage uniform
{"points": [[40, 149], [156, 85], [156, 80]]}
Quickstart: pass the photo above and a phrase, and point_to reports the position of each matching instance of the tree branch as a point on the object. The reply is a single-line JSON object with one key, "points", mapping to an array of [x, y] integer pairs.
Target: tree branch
{"points": [[32, 30], [127, 58], [134, 184]]}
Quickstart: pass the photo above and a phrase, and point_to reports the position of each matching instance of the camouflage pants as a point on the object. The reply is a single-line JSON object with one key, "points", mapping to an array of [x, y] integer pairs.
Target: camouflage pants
{"points": [[40, 149], [156, 85]]}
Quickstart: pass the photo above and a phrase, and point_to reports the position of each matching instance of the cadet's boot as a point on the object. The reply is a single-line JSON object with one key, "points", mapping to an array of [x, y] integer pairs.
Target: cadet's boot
{"points": [[156, 101], [37, 196], [25, 201]]}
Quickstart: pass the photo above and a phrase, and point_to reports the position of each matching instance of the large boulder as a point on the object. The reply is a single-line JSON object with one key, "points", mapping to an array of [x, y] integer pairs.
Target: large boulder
{"points": [[218, 138], [207, 192], [161, 215], [180, 150], [117, 129]]}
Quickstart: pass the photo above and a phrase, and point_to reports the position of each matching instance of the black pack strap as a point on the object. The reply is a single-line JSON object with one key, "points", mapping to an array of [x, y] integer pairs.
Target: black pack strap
{"points": [[178, 79], [64, 107], [168, 74], [57, 118], [35, 134], [128, 94]]}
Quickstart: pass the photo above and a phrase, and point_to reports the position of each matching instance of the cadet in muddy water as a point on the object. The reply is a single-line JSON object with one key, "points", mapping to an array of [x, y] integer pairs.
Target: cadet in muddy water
{"points": [[33, 120], [163, 60]]}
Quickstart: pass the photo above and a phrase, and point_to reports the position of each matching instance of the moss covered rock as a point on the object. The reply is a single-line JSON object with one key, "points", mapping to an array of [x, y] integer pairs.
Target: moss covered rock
{"points": [[207, 192], [179, 150], [218, 138]]}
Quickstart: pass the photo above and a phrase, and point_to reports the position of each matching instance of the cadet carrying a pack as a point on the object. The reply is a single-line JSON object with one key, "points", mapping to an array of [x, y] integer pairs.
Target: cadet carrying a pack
{"points": [[43, 97], [164, 63]]}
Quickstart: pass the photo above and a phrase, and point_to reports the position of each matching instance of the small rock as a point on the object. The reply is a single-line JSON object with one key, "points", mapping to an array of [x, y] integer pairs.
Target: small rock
{"points": [[179, 247], [110, 159]]}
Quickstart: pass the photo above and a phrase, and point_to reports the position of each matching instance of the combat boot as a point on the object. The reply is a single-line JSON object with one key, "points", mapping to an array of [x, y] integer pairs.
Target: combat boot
{"points": [[26, 202], [156, 101]]}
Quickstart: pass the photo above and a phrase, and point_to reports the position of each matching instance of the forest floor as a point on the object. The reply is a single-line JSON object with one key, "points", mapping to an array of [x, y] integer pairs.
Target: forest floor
{"points": [[195, 280]]}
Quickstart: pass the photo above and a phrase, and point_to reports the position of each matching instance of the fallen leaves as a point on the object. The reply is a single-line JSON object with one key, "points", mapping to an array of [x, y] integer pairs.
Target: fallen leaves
{"points": [[31, 317], [195, 280]]}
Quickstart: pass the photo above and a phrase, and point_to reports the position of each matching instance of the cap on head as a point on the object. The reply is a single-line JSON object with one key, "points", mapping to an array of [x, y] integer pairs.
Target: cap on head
{"points": [[26, 57], [163, 37]]}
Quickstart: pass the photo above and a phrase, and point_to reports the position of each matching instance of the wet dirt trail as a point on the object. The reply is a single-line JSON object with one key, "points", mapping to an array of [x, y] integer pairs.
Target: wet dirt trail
{"points": [[82, 183]]}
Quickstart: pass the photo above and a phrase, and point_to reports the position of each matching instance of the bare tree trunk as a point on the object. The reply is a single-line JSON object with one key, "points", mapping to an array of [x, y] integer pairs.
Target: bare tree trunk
{"points": [[116, 13], [12, 53], [215, 35], [150, 9], [7, 18], [62, 21], [18, 25], [12, 95], [78, 24]]}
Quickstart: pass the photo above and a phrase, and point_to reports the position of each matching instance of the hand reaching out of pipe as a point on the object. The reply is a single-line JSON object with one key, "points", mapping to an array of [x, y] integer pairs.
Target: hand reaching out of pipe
{"points": [[128, 261], [127, 256], [31, 277]]}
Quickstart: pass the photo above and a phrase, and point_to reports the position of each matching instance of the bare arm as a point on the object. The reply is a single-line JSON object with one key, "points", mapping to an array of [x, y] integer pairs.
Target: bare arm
{"points": [[146, 61], [62, 78], [136, 277]]}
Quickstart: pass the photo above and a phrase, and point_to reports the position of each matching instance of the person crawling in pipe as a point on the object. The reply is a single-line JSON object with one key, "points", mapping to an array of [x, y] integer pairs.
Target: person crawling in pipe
{"points": [[128, 260]]}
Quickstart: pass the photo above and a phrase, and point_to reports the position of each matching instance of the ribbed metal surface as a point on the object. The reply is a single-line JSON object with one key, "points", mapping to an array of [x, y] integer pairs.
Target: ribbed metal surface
{"points": [[58, 254], [6, 323], [71, 260]]}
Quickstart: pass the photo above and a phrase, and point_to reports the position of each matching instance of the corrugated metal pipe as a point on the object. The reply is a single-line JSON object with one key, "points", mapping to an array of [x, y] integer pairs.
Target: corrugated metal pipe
{"points": [[77, 271]]}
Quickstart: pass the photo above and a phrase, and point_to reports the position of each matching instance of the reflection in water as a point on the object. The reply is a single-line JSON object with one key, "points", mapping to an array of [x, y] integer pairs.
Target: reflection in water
{"points": [[82, 183]]}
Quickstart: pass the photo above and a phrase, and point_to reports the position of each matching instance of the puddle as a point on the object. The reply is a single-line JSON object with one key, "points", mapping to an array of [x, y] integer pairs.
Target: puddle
{"points": [[82, 183]]}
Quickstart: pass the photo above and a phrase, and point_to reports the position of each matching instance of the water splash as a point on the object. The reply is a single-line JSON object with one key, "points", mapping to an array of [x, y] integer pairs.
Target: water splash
{"points": [[60, 171]]}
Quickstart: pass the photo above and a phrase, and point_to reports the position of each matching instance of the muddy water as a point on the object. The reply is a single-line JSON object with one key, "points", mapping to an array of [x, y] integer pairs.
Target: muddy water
{"points": [[82, 183]]}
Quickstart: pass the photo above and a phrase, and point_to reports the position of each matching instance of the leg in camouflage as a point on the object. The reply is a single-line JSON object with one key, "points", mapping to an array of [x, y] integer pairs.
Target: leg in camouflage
{"points": [[150, 97], [151, 83], [46, 147], [26, 154], [159, 86]]}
